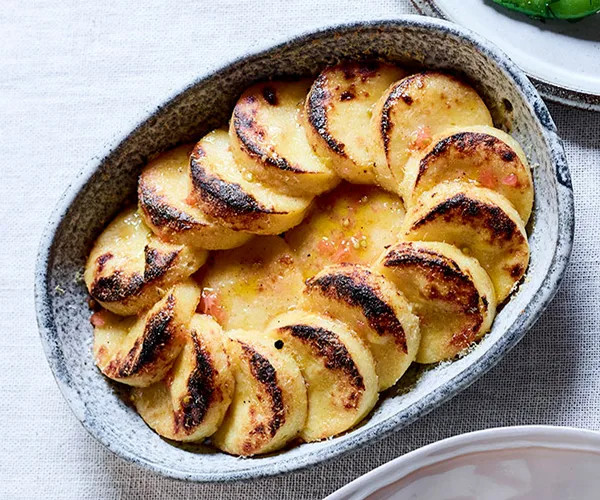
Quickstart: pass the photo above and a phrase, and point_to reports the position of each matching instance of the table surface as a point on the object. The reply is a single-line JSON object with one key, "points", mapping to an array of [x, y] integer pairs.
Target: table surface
{"points": [[73, 75]]}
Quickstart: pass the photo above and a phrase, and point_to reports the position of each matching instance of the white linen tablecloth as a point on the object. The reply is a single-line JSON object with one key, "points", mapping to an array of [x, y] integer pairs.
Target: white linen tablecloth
{"points": [[73, 75]]}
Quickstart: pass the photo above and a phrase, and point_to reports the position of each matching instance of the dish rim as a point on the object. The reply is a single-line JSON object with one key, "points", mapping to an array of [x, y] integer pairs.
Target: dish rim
{"points": [[538, 303], [566, 96], [493, 439]]}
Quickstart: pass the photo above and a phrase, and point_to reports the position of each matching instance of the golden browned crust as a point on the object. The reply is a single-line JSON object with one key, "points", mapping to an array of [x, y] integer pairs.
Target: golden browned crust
{"points": [[468, 143], [446, 282], [221, 199], [250, 133], [150, 348], [316, 106], [116, 287], [474, 213], [201, 392], [335, 356], [120, 286], [360, 288], [161, 213], [401, 92], [265, 374], [398, 91], [320, 98], [157, 263]]}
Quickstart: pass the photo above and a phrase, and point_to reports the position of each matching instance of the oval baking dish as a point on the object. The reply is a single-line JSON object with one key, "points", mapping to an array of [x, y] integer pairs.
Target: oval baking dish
{"points": [[105, 185]]}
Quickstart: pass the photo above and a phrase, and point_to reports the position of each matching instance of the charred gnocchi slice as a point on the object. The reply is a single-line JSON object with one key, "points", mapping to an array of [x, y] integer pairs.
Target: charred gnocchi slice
{"points": [[190, 402], [483, 154], [238, 201], [415, 109], [372, 307], [164, 189], [351, 224], [337, 366], [269, 144], [129, 269], [249, 286], [140, 351], [338, 112], [480, 222], [269, 402], [450, 292]]}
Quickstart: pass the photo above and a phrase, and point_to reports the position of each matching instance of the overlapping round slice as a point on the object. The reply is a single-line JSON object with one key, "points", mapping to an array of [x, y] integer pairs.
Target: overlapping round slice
{"points": [[385, 288], [478, 221], [350, 224], [164, 190], [269, 403], [237, 200], [140, 351], [129, 268], [373, 307], [249, 286], [190, 402], [338, 368], [415, 109], [450, 292], [482, 154], [269, 144], [338, 113]]}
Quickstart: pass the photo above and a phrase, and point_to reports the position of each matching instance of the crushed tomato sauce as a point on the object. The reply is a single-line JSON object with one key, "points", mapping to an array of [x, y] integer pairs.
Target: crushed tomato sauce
{"points": [[209, 304], [98, 319]]}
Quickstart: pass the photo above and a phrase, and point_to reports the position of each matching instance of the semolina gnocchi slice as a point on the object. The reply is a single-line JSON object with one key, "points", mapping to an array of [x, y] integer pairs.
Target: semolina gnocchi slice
{"points": [[129, 268], [415, 109], [338, 112], [268, 142], [164, 190], [269, 404], [480, 154], [139, 351], [351, 224], [189, 404], [450, 292], [250, 285], [223, 191], [479, 221], [374, 308], [337, 366]]}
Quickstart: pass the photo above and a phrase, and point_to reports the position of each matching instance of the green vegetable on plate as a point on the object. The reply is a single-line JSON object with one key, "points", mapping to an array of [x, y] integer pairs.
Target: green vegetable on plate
{"points": [[553, 9]]}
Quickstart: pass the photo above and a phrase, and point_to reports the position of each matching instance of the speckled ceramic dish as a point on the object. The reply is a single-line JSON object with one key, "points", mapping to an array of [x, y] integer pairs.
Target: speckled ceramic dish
{"points": [[528, 463], [101, 189]]}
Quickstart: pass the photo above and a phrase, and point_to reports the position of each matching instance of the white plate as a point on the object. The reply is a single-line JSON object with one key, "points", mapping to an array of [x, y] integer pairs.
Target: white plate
{"points": [[508, 463], [562, 57]]}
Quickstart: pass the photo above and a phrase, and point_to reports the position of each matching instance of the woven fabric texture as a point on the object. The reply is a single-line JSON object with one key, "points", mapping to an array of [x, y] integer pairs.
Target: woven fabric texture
{"points": [[73, 75]]}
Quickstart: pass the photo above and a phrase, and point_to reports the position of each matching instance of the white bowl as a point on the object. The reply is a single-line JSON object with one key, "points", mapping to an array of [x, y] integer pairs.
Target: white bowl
{"points": [[507, 463]]}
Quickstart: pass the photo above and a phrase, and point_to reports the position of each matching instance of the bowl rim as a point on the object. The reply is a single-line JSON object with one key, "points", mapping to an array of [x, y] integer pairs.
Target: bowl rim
{"points": [[567, 96], [493, 439], [538, 303]]}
